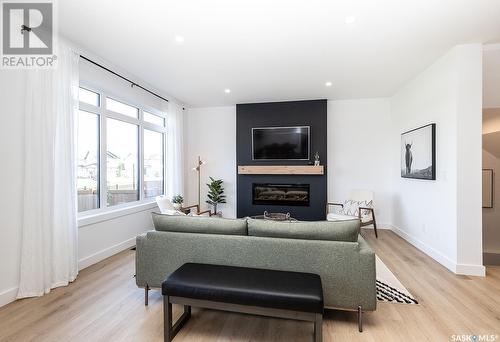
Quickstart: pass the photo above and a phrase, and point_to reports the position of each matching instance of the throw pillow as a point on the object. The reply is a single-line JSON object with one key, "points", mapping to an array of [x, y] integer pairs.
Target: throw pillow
{"points": [[351, 208]]}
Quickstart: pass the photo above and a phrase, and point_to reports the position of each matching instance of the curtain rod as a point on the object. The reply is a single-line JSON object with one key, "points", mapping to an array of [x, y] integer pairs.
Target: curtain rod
{"points": [[123, 77]]}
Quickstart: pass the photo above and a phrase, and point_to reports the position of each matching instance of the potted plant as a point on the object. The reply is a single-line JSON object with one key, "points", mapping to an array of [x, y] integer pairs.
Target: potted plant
{"points": [[215, 193], [177, 200]]}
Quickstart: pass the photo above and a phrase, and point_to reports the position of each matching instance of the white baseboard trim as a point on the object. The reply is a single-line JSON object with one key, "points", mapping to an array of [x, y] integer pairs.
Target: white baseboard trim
{"points": [[463, 269], [434, 254], [471, 270], [105, 253], [8, 296]]}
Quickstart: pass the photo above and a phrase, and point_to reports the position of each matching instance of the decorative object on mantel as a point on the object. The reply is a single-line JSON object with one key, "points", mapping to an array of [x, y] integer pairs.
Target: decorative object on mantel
{"points": [[281, 170], [418, 153], [177, 201], [487, 188], [316, 159], [275, 217], [215, 194], [197, 168]]}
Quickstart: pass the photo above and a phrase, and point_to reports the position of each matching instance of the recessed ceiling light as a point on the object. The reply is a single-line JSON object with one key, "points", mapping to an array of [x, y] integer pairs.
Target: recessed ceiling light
{"points": [[227, 90], [328, 84], [350, 19], [179, 39]]}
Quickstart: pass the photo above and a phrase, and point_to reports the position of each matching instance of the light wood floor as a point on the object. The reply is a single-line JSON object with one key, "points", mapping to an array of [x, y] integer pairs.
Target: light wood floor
{"points": [[104, 304]]}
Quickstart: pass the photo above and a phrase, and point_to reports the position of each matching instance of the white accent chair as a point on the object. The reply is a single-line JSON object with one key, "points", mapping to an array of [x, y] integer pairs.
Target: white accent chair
{"points": [[167, 208], [165, 205], [359, 205]]}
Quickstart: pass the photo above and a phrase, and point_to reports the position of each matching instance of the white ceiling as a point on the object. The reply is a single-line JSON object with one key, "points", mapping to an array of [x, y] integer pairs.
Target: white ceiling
{"points": [[267, 50]]}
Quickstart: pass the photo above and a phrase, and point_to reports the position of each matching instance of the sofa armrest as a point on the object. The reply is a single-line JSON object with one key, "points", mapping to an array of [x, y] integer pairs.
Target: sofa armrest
{"points": [[141, 261], [368, 276]]}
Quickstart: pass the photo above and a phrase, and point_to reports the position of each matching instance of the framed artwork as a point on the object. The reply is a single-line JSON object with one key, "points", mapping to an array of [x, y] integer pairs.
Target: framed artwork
{"points": [[487, 188], [418, 153]]}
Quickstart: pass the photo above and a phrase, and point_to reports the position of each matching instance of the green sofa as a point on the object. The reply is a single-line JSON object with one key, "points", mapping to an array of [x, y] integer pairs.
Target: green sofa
{"points": [[334, 250]]}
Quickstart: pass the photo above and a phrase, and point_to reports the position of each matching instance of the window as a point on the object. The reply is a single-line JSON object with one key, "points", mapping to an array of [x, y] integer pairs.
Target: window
{"points": [[89, 97], [122, 171], [153, 163], [122, 108], [121, 152], [154, 119], [88, 161]]}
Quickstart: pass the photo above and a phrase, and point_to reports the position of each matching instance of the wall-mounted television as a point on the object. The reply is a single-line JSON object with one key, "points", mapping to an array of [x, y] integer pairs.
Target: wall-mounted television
{"points": [[281, 143]]}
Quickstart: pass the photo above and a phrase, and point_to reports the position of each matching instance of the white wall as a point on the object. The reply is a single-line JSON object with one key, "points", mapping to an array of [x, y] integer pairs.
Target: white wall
{"points": [[211, 134], [359, 152], [103, 237], [469, 147], [443, 217], [491, 123], [491, 216]]}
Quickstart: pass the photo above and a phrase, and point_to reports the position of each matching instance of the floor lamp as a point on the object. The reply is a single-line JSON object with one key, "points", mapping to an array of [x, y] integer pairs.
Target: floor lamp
{"points": [[197, 168]]}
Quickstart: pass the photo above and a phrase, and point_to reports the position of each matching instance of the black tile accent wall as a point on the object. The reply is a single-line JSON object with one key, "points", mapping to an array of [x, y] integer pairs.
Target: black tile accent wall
{"points": [[274, 114]]}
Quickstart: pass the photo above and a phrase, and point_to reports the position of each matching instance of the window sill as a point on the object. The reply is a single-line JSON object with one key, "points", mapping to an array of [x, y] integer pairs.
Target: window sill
{"points": [[112, 213]]}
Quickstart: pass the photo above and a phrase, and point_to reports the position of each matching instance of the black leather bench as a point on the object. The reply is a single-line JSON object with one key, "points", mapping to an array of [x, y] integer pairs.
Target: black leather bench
{"points": [[282, 294]]}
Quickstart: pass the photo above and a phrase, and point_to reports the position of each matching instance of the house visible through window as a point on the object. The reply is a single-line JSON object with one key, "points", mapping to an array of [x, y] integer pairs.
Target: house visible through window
{"points": [[121, 152], [88, 161], [153, 163], [122, 162]]}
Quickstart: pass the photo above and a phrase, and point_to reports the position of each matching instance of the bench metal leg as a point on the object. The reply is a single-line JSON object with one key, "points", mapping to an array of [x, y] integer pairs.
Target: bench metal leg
{"points": [[360, 319], [187, 311], [146, 295], [318, 328], [170, 331], [167, 320]]}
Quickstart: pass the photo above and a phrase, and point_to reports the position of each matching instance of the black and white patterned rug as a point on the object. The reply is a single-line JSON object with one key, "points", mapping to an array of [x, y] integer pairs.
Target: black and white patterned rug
{"points": [[386, 293], [389, 288]]}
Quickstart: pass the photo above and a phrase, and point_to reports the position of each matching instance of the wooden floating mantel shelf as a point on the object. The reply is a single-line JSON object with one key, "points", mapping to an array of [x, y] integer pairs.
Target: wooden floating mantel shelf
{"points": [[281, 170]]}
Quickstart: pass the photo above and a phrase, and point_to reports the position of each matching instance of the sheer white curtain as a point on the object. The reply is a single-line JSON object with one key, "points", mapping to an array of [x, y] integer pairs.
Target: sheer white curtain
{"points": [[49, 233], [175, 149]]}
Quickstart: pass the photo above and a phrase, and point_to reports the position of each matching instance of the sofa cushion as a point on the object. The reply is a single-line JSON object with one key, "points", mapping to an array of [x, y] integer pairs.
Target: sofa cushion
{"points": [[319, 230], [199, 224]]}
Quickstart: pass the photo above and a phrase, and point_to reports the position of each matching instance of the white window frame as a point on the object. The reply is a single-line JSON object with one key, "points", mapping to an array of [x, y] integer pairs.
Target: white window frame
{"points": [[104, 114]]}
